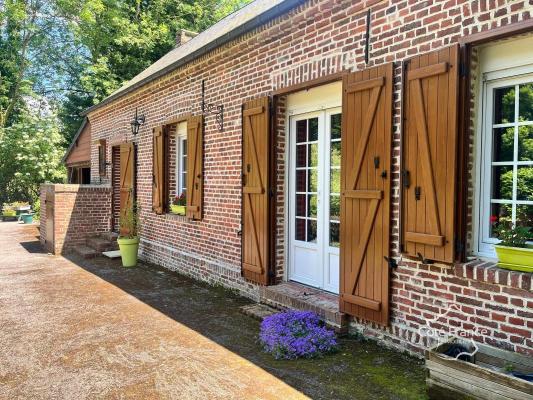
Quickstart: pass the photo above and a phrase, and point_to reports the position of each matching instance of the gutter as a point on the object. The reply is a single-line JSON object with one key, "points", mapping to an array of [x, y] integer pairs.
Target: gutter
{"points": [[255, 22]]}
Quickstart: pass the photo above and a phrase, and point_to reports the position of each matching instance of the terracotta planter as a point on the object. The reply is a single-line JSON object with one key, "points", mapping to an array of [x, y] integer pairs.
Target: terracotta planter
{"points": [[129, 249], [515, 258]]}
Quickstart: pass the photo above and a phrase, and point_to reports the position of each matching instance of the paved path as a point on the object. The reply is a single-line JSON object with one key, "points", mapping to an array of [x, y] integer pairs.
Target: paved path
{"points": [[67, 333]]}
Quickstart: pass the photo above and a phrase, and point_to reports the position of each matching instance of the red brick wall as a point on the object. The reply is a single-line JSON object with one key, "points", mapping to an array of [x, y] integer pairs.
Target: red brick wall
{"points": [[79, 212], [314, 40]]}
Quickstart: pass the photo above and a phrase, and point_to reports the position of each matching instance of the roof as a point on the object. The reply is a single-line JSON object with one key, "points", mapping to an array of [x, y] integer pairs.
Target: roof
{"points": [[76, 137], [249, 17]]}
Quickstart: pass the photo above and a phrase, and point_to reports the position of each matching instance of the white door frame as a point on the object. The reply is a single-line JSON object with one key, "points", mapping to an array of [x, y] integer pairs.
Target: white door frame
{"points": [[322, 272]]}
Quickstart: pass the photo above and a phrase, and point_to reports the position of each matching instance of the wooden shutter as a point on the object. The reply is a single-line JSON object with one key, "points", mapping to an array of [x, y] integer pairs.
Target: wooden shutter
{"points": [[429, 155], [255, 190], [195, 165], [127, 177], [365, 193], [158, 170]]}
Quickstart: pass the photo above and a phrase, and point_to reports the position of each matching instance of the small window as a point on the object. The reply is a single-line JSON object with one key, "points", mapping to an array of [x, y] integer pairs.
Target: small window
{"points": [[506, 164], [181, 159]]}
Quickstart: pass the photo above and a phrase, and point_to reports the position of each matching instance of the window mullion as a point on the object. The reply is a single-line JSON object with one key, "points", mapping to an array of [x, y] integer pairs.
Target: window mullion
{"points": [[515, 154]]}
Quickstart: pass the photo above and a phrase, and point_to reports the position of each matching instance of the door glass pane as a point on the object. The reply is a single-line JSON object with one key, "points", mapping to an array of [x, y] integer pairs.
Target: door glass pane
{"points": [[300, 205], [335, 126], [312, 180], [313, 155], [524, 217], [301, 131], [312, 208], [524, 183], [502, 182], [335, 181], [334, 207], [311, 230], [525, 102], [334, 234], [503, 144], [336, 154], [300, 229], [300, 180], [525, 143], [313, 129], [301, 153], [504, 105]]}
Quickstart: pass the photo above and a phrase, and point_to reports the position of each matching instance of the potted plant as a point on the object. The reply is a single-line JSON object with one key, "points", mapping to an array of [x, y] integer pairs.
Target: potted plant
{"points": [[128, 241], [179, 205], [513, 251]]}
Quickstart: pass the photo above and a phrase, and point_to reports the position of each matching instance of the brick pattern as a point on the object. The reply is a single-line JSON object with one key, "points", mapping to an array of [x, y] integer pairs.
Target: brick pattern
{"points": [[80, 211], [315, 39]]}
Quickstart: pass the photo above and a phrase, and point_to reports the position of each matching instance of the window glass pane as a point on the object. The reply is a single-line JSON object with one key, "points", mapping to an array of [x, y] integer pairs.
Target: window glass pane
{"points": [[336, 126], [311, 231], [312, 180], [300, 205], [504, 105], [524, 217], [334, 234], [503, 144], [525, 143], [313, 129], [334, 207], [184, 144], [502, 182], [335, 154], [300, 180], [499, 213], [301, 131], [335, 183], [301, 153], [524, 183], [525, 102], [313, 155], [311, 210], [300, 229]]}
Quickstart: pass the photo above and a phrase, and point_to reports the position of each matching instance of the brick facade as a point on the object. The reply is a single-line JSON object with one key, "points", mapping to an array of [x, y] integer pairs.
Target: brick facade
{"points": [[315, 39], [80, 211]]}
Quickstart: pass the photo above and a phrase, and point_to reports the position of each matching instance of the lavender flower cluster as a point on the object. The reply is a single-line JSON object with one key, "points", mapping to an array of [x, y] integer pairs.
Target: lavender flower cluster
{"points": [[296, 334]]}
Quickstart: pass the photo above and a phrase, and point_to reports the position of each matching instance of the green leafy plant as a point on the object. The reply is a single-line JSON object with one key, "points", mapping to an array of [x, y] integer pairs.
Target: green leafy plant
{"points": [[130, 224], [180, 200], [512, 235]]}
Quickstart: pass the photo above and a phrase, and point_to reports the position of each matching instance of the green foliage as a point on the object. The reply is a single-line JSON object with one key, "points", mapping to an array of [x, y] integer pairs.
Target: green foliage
{"points": [[130, 223], [512, 236], [30, 154]]}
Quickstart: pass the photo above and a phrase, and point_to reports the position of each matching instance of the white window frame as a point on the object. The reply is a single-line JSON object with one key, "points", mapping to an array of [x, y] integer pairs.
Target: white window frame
{"points": [[181, 158], [483, 243]]}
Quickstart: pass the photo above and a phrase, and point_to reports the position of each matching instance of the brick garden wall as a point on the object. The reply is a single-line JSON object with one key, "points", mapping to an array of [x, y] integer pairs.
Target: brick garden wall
{"points": [[79, 212], [315, 39]]}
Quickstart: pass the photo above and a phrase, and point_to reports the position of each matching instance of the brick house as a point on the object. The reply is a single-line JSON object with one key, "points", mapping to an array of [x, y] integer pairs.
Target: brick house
{"points": [[383, 232]]}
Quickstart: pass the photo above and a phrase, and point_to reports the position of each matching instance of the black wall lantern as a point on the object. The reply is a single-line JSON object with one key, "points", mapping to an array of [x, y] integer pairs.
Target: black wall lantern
{"points": [[136, 123], [213, 109]]}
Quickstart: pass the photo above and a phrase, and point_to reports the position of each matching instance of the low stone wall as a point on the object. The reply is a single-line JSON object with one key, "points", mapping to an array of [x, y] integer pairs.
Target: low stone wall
{"points": [[79, 211]]}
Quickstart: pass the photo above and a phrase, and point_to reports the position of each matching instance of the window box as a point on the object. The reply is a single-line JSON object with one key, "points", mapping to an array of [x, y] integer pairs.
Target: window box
{"points": [[515, 258], [178, 210]]}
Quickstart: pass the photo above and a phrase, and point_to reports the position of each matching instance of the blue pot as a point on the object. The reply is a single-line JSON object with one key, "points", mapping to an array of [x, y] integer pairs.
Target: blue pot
{"points": [[27, 218]]}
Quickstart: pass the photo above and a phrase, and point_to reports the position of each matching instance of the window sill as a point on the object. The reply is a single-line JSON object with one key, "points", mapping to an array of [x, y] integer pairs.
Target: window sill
{"points": [[487, 271], [177, 217]]}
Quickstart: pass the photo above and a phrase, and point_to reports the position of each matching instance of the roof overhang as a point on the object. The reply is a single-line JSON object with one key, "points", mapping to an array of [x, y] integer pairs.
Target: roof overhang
{"points": [[202, 44]]}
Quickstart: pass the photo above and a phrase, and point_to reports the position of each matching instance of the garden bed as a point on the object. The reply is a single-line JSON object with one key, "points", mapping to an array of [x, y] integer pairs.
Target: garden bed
{"points": [[490, 374]]}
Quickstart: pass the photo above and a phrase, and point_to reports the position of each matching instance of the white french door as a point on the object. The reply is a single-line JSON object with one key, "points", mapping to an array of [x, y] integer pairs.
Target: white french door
{"points": [[314, 198]]}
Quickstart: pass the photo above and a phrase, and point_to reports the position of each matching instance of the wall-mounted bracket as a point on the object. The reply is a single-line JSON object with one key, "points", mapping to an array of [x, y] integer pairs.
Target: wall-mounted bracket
{"points": [[213, 109]]}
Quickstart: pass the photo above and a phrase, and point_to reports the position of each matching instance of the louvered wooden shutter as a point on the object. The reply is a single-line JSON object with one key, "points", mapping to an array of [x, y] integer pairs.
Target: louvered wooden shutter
{"points": [[158, 170], [429, 155], [195, 165], [127, 176], [255, 190], [365, 193]]}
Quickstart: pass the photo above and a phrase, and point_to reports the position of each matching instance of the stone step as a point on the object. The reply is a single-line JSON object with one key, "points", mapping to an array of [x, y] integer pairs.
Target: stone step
{"points": [[258, 311], [292, 295], [109, 236], [101, 245], [85, 251]]}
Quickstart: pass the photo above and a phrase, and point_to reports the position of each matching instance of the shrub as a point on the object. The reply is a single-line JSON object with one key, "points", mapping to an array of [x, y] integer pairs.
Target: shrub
{"points": [[512, 236], [296, 334]]}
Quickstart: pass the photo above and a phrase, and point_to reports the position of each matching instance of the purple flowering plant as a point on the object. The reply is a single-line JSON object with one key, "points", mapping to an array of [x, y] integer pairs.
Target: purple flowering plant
{"points": [[296, 334]]}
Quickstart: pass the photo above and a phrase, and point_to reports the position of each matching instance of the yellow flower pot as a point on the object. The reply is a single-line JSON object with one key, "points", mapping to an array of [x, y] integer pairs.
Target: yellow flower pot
{"points": [[178, 210], [128, 251], [515, 258]]}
